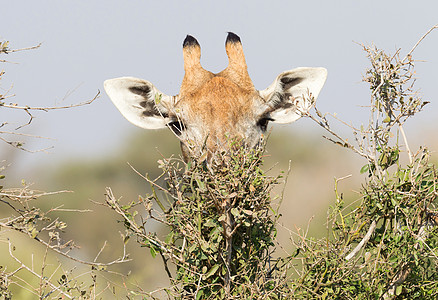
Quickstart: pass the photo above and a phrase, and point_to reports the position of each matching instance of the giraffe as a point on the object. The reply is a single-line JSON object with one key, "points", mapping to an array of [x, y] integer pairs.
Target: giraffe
{"points": [[212, 108]]}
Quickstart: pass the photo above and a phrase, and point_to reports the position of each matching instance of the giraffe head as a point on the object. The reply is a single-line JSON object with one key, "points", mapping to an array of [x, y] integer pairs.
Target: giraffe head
{"points": [[212, 109]]}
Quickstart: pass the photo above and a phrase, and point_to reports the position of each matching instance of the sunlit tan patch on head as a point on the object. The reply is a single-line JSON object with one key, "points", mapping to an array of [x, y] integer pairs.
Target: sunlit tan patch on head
{"points": [[194, 76], [218, 103]]}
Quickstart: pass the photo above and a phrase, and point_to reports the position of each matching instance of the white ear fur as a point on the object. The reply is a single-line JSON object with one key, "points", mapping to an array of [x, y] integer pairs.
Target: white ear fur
{"points": [[290, 93], [139, 101]]}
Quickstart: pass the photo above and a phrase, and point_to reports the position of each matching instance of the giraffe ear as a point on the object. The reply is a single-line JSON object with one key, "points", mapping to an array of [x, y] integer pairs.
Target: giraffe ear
{"points": [[139, 101], [293, 93]]}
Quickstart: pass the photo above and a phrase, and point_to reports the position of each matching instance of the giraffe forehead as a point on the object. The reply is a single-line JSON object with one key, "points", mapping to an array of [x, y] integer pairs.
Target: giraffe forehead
{"points": [[221, 100]]}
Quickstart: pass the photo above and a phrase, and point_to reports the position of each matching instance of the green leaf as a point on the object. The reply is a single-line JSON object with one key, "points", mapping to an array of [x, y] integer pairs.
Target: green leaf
{"points": [[201, 185], [364, 169], [193, 247], [235, 212], [200, 294], [248, 212], [170, 238], [223, 270], [34, 232], [398, 290], [158, 98], [153, 252], [212, 270], [210, 223], [416, 258], [204, 246]]}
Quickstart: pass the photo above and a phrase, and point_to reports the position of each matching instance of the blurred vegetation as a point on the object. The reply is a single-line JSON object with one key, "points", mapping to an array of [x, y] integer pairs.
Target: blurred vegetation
{"points": [[88, 180]]}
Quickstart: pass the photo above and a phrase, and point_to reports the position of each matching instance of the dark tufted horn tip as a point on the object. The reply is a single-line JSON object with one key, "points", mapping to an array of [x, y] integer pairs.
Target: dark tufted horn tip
{"points": [[232, 38], [190, 41]]}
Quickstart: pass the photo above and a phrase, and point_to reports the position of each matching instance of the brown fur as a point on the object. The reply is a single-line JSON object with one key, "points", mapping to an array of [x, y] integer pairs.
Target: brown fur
{"points": [[195, 75], [218, 101]]}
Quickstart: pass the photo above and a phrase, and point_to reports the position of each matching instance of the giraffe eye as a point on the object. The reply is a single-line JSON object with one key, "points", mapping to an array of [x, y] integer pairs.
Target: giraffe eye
{"points": [[177, 127], [263, 123]]}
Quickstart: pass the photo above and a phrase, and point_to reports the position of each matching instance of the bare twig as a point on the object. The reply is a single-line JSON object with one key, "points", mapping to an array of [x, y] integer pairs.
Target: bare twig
{"points": [[400, 126], [7, 51], [26, 135], [39, 276], [363, 242], [419, 42], [53, 248], [111, 200], [27, 108], [342, 142], [153, 184]]}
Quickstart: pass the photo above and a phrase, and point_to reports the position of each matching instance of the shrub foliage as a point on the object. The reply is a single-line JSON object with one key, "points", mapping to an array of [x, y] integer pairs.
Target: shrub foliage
{"points": [[221, 226], [220, 220]]}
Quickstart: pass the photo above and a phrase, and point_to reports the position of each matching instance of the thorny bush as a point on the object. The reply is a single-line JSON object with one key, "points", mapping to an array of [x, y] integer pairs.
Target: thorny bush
{"points": [[383, 246], [386, 247], [221, 220], [221, 226]]}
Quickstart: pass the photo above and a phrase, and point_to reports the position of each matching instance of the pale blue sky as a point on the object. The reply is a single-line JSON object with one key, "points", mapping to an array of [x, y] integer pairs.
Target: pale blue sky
{"points": [[86, 42]]}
